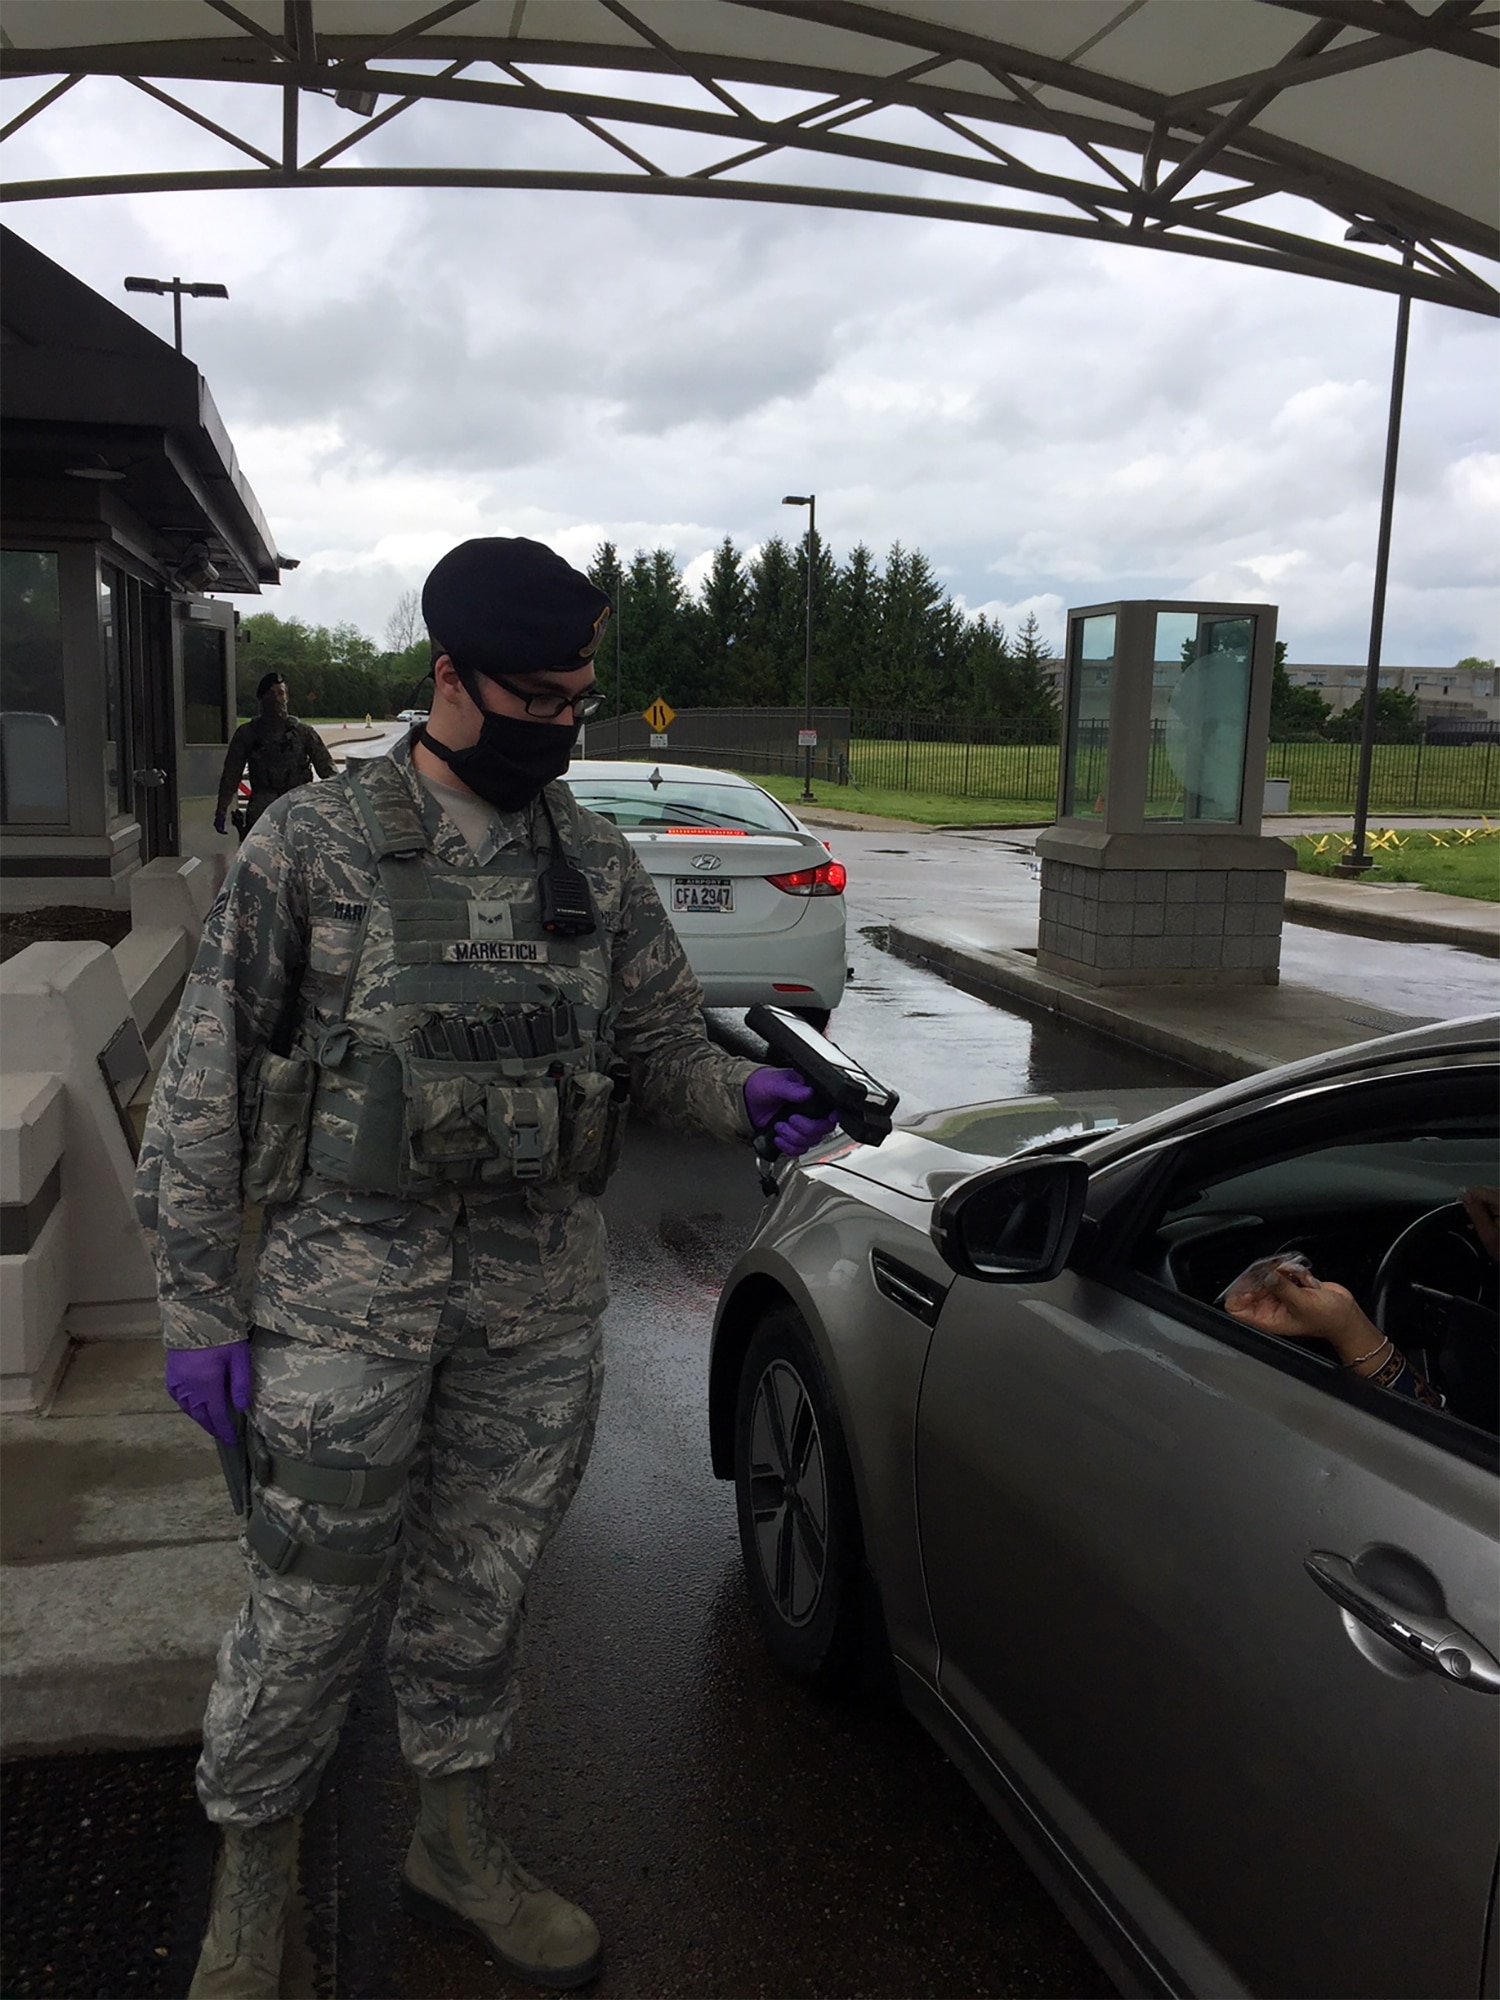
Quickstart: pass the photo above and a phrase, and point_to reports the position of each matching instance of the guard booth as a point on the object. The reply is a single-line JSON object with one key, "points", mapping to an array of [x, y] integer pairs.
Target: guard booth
{"points": [[1156, 872], [121, 505]]}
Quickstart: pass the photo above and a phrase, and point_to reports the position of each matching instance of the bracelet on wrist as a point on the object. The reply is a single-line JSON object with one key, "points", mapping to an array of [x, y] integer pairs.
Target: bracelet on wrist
{"points": [[1379, 1348]]}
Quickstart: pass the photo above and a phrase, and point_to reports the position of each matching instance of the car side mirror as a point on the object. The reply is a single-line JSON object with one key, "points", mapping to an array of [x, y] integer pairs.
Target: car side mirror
{"points": [[1012, 1223]]}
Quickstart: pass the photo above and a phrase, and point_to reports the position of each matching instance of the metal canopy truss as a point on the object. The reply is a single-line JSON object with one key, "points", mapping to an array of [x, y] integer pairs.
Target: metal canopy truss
{"points": [[1257, 131]]}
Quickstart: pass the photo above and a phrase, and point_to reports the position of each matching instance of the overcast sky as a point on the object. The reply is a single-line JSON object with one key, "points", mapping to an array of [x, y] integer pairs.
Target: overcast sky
{"points": [[1052, 423]]}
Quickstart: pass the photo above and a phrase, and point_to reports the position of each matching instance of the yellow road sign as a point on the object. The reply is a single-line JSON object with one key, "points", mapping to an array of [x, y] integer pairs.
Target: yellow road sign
{"points": [[658, 716]]}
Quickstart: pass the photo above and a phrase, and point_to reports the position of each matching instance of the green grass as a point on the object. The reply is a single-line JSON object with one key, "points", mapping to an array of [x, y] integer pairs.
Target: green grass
{"points": [[1017, 781], [1470, 870], [1404, 777], [922, 808]]}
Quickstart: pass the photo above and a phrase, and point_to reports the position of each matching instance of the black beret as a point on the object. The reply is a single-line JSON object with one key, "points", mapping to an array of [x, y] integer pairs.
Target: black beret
{"points": [[503, 605], [267, 682]]}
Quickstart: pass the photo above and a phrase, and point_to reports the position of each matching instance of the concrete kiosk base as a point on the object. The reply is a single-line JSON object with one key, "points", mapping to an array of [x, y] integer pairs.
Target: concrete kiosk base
{"points": [[1168, 909]]}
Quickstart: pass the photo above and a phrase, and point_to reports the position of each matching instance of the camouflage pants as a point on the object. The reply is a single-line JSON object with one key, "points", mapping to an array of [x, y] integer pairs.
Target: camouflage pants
{"points": [[497, 1444]]}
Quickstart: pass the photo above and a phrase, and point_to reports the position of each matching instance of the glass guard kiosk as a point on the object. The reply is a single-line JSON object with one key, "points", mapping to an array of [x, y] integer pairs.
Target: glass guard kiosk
{"points": [[1156, 872]]}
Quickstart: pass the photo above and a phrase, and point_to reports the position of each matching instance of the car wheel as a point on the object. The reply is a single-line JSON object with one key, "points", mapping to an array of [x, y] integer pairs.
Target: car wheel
{"points": [[798, 1518]]}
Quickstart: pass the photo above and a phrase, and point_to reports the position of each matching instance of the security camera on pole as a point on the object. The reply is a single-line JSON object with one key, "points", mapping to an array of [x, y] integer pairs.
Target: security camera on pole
{"points": [[808, 735]]}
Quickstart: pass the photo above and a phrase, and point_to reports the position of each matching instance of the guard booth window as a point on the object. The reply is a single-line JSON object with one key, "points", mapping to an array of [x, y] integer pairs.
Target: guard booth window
{"points": [[111, 625], [205, 712], [33, 731]]}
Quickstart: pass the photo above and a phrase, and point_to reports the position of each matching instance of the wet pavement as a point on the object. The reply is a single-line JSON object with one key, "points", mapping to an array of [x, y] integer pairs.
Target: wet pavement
{"points": [[732, 1834], [922, 873]]}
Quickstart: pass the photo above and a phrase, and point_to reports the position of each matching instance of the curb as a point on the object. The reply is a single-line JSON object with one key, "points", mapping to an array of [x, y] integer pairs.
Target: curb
{"points": [[1014, 975], [1372, 922]]}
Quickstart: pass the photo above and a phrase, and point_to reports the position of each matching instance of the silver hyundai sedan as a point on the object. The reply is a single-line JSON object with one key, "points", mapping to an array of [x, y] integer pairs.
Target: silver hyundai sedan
{"points": [[1210, 1622]]}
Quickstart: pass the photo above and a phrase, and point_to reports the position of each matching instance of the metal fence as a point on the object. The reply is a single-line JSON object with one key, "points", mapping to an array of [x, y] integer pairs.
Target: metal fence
{"points": [[1016, 763], [757, 741], [1432, 775]]}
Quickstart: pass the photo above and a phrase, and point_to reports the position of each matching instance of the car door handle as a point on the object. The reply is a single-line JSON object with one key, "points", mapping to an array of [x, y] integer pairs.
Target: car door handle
{"points": [[1437, 1643]]}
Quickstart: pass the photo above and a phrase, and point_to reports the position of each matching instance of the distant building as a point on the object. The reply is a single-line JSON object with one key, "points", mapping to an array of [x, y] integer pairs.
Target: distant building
{"points": [[1469, 694], [120, 504]]}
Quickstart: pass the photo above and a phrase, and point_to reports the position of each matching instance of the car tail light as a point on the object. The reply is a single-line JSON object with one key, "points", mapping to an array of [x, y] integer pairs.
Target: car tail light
{"points": [[827, 879]]}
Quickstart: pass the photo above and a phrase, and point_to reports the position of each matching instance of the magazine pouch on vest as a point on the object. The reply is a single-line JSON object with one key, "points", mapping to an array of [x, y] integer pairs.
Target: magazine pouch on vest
{"points": [[470, 1047]]}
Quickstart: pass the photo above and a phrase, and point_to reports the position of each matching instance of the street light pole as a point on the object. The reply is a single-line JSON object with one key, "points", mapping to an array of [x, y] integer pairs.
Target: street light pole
{"points": [[810, 502], [176, 286], [1356, 861]]}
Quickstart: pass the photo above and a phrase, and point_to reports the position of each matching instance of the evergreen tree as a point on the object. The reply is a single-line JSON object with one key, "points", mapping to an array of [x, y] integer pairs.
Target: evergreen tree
{"points": [[906, 653], [655, 640], [987, 665], [604, 570], [770, 659], [1029, 692], [718, 623], [849, 629]]}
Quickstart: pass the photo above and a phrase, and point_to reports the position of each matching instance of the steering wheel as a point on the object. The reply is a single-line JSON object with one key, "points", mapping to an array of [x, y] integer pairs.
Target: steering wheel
{"points": [[1447, 1329], [1443, 1240]]}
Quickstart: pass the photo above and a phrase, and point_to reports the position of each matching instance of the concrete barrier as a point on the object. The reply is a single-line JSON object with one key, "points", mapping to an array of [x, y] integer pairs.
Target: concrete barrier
{"points": [[84, 1028], [33, 1237]]}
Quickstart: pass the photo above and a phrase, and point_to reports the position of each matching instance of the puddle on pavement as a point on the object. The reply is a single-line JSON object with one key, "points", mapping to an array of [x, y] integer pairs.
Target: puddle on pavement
{"points": [[940, 1041]]}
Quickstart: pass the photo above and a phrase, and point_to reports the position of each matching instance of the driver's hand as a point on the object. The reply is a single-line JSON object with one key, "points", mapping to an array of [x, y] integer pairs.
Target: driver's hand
{"points": [[1482, 1206], [1295, 1305]]}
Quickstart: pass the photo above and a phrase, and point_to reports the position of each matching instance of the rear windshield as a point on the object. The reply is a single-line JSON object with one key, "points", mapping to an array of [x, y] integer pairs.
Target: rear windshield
{"points": [[634, 802]]}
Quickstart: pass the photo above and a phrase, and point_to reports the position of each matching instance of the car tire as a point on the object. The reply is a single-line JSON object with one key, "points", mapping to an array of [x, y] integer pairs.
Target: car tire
{"points": [[800, 1536]]}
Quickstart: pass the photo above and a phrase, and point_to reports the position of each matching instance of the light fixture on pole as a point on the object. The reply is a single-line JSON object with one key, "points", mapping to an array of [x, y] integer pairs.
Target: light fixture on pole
{"points": [[1356, 861], [177, 287], [810, 502]]}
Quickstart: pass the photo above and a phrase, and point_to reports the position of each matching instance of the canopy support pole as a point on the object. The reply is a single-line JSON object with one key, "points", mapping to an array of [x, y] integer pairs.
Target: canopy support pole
{"points": [[1356, 861]]}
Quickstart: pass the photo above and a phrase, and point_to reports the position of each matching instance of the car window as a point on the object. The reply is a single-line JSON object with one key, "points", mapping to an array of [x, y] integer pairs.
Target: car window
{"points": [[1368, 1185], [632, 803]]}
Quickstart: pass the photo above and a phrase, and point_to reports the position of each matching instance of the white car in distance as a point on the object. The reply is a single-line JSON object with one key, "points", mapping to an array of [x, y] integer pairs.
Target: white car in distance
{"points": [[756, 897]]}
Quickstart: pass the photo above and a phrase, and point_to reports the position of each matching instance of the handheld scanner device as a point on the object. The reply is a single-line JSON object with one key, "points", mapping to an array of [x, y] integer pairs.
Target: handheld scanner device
{"points": [[863, 1105]]}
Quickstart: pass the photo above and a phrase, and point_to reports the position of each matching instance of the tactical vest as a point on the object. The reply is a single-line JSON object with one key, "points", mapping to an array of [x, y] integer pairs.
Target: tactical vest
{"points": [[458, 1046], [277, 758]]}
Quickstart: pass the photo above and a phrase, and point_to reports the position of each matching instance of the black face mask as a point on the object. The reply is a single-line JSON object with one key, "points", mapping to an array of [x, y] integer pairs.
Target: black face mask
{"points": [[512, 760]]}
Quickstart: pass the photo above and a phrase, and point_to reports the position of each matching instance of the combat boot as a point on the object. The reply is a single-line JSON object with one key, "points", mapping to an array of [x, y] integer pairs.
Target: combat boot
{"points": [[460, 1874], [253, 1881]]}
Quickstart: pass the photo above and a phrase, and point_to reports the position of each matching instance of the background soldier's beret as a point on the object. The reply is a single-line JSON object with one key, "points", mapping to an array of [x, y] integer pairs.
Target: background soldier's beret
{"points": [[266, 683], [503, 605]]}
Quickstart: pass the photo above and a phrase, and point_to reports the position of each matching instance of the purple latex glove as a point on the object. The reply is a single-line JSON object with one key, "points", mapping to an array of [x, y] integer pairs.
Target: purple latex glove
{"points": [[771, 1098], [219, 825], [205, 1381]]}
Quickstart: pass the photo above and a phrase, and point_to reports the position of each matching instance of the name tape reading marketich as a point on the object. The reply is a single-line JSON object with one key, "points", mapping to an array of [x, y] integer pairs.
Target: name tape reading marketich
{"points": [[495, 951]]}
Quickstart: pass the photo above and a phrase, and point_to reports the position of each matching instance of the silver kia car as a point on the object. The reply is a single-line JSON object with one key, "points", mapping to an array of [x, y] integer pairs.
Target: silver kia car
{"points": [[1210, 1622]]}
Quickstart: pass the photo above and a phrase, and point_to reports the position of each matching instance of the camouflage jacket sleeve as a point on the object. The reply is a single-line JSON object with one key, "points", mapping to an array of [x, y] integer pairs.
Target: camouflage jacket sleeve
{"points": [[188, 1181], [236, 758], [677, 1075], [318, 753]]}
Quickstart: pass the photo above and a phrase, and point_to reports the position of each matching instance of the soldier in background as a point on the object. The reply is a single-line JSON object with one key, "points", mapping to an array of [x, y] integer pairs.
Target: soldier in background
{"points": [[422, 998], [280, 751]]}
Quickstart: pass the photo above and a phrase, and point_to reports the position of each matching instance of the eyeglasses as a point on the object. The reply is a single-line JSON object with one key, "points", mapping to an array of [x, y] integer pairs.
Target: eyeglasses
{"points": [[548, 707]]}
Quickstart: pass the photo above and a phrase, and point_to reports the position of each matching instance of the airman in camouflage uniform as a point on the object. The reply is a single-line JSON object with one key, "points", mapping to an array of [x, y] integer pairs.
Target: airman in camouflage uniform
{"points": [[279, 751], [421, 1078]]}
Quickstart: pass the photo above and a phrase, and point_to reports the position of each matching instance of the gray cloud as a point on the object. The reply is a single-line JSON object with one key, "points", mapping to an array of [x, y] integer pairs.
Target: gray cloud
{"points": [[1051, 422]]}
